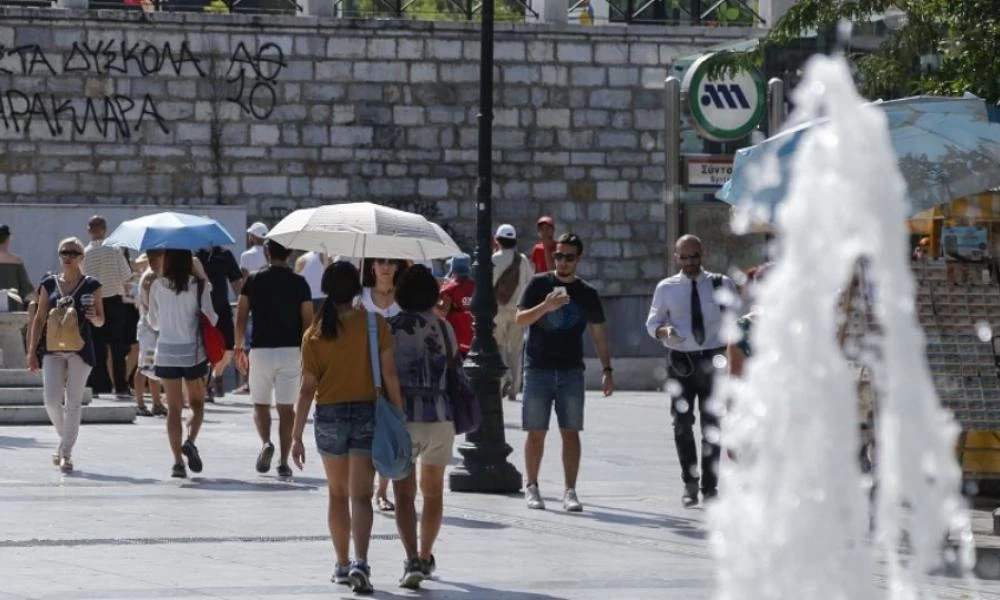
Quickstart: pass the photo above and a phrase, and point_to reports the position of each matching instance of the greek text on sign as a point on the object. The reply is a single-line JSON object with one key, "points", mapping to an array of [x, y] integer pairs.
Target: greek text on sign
{"points": [[726, 107], [707, 171]]}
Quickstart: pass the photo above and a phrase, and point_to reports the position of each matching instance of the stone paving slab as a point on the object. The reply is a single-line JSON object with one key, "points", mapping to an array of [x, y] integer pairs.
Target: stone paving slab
{"points": [[121, 528]]}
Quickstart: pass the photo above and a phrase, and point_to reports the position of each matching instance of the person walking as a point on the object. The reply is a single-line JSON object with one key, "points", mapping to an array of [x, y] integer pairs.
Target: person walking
{"points": [[176, 302], [253, 258], [379, 297], [145, 375], [541, 254], [687, 318], [424, 345], [556, 308], [223, 273], [108, 265], [311, 266], [337, 375], [511, 273], [280, 303], [456, 299], [64, 372]]}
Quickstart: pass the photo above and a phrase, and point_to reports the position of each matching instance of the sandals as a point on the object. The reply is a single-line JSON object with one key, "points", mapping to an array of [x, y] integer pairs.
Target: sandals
{"points": [[159, 410], [384, 505], [66, 465], [143, 411]]}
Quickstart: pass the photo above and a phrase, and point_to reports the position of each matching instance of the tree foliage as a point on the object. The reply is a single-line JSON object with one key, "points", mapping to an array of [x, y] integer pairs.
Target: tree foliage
{"points": [[963, 36]]}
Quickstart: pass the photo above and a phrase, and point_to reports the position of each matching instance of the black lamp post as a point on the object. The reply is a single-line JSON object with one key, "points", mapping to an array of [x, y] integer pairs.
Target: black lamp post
{"points": [[484, 454]]}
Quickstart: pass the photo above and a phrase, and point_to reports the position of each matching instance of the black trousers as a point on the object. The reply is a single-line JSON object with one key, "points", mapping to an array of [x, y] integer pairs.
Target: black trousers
{"points": [[113, 335], [695, 373]]}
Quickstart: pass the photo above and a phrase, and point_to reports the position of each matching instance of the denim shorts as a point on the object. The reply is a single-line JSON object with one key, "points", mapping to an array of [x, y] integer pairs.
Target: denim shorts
{"points": [[187, 373], [542, 388], [343, 429]]}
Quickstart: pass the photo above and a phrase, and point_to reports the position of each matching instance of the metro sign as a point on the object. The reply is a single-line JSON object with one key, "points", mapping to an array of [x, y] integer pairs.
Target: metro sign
{"points": [[724, 109]]}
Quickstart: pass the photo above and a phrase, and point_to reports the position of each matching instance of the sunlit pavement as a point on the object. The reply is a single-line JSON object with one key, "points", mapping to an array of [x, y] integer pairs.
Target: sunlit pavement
{"points": [[120, 527]]}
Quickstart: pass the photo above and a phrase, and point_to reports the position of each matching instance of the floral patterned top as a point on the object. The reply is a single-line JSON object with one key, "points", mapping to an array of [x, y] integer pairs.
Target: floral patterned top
{"points": [[421, 364]]}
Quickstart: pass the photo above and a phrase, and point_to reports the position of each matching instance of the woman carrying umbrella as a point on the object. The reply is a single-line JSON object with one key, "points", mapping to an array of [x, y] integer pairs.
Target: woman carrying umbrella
{"points": [[176, 302]]}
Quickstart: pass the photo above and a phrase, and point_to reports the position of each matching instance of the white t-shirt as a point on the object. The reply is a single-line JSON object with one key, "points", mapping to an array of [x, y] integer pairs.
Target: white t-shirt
{"points": [[253, 259], [370, 306], [175, 316]]}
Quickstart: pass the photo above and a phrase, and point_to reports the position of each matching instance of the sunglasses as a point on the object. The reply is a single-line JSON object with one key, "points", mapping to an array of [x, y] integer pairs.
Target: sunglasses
{"points": [[694, 256], [70, 253], [563, 256]]}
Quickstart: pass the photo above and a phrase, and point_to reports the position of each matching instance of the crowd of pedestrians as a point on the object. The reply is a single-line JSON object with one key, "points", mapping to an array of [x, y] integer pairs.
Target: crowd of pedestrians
{"points": [[301, 335]]}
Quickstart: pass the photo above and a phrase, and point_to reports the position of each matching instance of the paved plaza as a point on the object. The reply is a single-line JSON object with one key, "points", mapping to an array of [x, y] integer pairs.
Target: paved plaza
{"points": [[121, 528]]}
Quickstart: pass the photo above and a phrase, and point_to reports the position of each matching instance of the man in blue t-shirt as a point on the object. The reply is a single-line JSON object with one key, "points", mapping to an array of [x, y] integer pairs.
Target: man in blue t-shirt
{"points": [[557, 307]]}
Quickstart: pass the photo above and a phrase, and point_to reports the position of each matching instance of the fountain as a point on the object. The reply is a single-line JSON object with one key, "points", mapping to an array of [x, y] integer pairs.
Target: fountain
{"points": [[794, 519]]}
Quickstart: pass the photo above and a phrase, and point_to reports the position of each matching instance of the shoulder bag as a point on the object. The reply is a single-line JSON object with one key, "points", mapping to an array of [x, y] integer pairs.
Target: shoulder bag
{"points": [[466, 412], [211, 337]]}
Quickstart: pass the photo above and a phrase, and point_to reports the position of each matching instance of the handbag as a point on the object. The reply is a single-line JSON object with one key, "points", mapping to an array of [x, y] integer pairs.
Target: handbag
{"points": [[211, 337], [466, 412], [62, 327], [392, 449]]}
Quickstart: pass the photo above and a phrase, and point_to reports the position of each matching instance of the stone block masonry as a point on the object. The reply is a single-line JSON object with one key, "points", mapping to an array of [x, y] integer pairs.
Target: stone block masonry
{"points": [[285, 112]]}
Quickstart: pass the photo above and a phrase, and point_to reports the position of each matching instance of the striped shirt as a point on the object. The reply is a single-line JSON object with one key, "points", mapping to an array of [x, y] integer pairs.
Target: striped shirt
{"points": [[106, 264]]}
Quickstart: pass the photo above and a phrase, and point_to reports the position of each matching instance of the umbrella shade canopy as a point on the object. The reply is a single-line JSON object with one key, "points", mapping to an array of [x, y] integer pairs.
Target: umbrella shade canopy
{"points": [[946, 148], [364, 230], [170, 231]]}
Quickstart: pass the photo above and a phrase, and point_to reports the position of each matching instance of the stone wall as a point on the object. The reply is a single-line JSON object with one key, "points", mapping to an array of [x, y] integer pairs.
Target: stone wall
{"points": [[284, 112]]}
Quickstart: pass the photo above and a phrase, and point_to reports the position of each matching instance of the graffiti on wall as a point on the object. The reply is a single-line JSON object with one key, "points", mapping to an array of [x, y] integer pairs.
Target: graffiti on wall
{"points": [[249, 77]]}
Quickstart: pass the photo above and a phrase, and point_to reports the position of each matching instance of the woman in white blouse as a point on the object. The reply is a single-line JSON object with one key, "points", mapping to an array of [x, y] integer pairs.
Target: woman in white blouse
{"points": [[175, 306], [379, 296]]}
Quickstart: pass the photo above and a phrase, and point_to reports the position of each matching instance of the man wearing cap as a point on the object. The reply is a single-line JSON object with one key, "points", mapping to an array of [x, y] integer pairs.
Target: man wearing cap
{"points": [[108, 265], [254, 259], [456, 298], [541, 255], [511, 273]]}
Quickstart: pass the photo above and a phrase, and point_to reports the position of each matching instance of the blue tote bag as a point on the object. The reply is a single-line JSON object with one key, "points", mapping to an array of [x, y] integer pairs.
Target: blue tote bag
{"points": [[392, 449]]}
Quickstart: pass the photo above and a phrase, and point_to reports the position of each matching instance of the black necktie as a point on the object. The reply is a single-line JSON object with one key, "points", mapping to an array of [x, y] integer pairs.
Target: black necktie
{"points": [[697, 320]]}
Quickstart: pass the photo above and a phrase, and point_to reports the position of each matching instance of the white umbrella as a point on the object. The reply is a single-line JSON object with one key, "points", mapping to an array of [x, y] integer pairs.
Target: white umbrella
{"points": [[365, 230]]}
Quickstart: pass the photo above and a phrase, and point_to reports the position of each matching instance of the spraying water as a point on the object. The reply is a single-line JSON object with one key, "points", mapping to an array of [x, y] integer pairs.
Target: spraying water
{"points": [[794, 518]]}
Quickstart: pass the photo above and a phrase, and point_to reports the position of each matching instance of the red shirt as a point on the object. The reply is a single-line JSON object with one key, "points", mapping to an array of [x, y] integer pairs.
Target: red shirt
{"points": [[459, 291], [538, 257]]}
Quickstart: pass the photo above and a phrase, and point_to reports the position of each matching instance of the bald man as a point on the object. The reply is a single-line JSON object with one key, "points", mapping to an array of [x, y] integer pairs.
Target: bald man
{"points": [[687, 318]]}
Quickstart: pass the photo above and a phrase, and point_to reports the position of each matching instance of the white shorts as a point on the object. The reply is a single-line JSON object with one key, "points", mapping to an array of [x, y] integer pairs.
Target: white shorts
{"points": [[432, 442], [275, 374]]}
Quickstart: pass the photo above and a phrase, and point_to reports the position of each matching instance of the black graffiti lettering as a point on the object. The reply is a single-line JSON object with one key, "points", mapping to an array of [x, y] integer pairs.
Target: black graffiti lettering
{"points": [[269, 61], [38, 108], [94, 54], [38, 57], [151, 61], [3, 115], [89, 114], [149, 108], [130, 54], [113, 118], [16, 112], [241, 56], [58, 110], [4, 53], [109, 58], [184, 56], [262, 100], [76, 54]]}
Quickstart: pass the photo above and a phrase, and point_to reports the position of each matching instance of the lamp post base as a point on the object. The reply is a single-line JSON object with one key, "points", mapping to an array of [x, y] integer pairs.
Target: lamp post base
{"points": [[485, 478]]}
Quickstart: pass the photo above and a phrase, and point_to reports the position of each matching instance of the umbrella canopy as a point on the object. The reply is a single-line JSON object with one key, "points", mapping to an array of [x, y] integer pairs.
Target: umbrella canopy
{"points": [[364, 230], [169, 230], [946, 148]]}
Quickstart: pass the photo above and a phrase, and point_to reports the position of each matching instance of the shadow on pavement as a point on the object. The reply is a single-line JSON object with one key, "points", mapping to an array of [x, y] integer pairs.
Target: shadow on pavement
{"points": [[101, 477], [685, 527], [237, 485], [465, 591], [471, 523], [8, 442]]}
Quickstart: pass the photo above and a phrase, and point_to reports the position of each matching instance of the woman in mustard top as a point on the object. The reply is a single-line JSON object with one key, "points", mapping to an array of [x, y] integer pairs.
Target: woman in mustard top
{"points": [[337, 374]]}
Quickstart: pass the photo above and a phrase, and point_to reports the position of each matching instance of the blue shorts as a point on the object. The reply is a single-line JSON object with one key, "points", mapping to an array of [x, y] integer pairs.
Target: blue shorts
{"points": [[343, 429], [542, 388], [188, 373]]}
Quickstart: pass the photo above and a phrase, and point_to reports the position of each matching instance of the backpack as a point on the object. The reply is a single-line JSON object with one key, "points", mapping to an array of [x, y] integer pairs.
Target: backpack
{"points": [[506, 285], [62, 328]]}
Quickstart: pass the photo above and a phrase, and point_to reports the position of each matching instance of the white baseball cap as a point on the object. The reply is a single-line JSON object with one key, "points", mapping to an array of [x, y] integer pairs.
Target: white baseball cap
{"points": [[258, 229], [507, 232]]}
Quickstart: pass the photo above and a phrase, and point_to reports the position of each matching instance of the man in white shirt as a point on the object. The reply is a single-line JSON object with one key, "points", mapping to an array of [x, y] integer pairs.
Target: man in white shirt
{"points": [[108, 265], [687, 317], [511, 273], [253, 258]]}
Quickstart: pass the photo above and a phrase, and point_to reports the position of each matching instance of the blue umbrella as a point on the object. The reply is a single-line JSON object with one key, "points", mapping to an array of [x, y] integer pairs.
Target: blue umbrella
{"points": [[170, 230], [946, 147]]}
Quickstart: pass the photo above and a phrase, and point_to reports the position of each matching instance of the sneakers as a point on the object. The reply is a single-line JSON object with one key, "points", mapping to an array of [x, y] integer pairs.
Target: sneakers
{"points": [[159, 410], [284, 471], [690, 497], [413, 574], [341, 574], [429, 566], [178, 471], [264, 458], [191, 452], [570, 502], [533, 497], [361, 578]]}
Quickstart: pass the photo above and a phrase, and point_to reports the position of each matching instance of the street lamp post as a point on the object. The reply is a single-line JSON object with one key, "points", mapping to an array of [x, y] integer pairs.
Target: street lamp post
{"points": [[484, 465]]}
